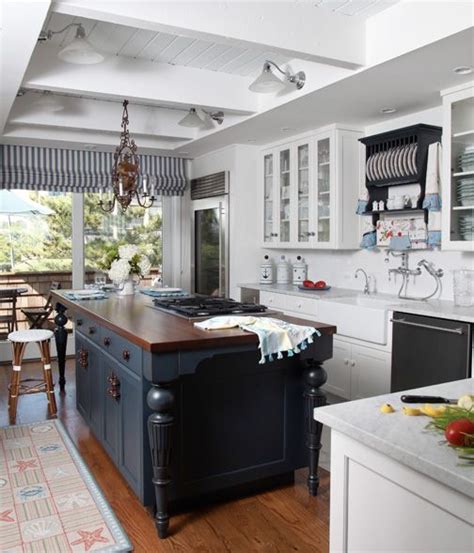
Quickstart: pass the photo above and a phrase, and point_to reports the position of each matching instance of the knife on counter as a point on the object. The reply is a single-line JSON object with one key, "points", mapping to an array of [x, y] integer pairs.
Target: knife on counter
{"points": [[428, 399]]}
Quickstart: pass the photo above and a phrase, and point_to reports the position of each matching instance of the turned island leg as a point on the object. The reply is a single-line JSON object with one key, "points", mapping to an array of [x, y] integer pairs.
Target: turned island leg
{"points": [[314, 377], [60, 336], [160, 399]]}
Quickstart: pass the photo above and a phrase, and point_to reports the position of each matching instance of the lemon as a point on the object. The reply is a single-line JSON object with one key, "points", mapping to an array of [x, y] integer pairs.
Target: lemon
{"points": [[411, 411], [431, 411], [387, 408], [466, 402]]}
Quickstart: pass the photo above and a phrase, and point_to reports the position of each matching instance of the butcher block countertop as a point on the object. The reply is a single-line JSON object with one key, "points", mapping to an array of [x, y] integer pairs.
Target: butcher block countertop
{"points": [[135, 318]]}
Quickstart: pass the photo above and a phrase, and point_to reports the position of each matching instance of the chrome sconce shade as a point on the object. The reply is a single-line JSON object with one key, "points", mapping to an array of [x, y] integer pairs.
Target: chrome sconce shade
{"points": [[192, 119], [79, 50], [267, 82]]}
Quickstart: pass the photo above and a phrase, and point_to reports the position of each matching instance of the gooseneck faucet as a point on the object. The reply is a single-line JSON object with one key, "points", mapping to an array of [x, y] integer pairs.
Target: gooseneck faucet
{"points": [[366, 287]]}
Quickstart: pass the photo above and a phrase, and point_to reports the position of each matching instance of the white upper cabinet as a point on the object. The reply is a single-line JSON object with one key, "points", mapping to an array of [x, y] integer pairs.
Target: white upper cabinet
{"points": [[310, 191], [458, 168]]}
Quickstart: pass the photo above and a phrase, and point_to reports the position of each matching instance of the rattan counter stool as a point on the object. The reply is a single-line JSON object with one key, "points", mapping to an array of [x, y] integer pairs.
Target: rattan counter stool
{"points": [[19, 340]]}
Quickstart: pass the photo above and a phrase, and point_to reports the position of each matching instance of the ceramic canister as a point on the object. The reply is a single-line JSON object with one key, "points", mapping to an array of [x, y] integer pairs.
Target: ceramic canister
{"points": [[300, 270], [266, 271], [283, 273]]}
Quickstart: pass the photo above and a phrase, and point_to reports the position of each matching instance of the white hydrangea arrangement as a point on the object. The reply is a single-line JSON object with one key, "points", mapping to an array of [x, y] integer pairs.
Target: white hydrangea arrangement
{"points": [[129, 262]]}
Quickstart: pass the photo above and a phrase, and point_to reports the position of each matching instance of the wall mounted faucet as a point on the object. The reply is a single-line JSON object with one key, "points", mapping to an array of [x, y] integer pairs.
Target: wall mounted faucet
{"points": [[406, 272]]}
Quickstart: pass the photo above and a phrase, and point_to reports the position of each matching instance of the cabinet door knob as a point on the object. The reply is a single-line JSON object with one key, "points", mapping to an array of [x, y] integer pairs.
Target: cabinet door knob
{"points": [[126, 355], [114, 390], [92, 330], [346, 361], [353, 363], [83, 357], [107, 341], [79, 322]]}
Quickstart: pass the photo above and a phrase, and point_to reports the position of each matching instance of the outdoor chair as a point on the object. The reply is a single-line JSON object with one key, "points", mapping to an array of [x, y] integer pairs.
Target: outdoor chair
{"points": [[8, 319], [38, 316]]}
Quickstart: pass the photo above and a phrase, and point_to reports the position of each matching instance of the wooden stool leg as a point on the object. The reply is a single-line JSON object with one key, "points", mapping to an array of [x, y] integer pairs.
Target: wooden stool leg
{"points": [[46, 359], [14, 388]]}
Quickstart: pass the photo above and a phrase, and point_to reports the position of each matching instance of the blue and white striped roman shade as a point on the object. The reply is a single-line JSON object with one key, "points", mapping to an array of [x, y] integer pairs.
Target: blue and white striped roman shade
{"points": [[57, 169]]}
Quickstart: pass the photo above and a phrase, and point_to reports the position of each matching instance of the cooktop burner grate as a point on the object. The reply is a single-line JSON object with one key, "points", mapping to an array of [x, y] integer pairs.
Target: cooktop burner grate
{"points": [[204, 306]]}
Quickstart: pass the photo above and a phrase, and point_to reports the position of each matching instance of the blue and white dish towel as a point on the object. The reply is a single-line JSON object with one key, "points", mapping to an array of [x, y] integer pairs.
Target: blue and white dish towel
{"points": [[275, 336]]}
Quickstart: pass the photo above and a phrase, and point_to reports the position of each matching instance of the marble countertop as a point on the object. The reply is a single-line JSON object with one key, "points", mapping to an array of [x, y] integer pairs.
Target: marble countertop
{"points": [[404, 438], [443, 309]]}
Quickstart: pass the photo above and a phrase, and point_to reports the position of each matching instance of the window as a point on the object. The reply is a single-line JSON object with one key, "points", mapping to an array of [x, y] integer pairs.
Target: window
{"points": [[33, 243], [142, 227]]}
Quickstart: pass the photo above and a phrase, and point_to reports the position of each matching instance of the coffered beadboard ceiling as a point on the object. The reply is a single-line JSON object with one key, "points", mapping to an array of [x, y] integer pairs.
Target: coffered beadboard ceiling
{"points": [[168, 56], [120, 40], [364, 8]]}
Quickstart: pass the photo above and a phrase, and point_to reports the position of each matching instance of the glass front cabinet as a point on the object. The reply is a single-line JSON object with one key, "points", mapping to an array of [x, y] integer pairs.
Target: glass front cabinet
{"points": [[310, 191], [458, 169]]}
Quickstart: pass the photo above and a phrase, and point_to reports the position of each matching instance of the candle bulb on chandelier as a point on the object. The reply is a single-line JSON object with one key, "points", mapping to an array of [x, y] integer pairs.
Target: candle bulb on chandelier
{"points": [[145, 186], [120, 186]]}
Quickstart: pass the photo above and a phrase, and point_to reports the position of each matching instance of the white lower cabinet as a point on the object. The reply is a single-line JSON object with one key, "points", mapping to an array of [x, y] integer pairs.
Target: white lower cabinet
{"points": [[338, 370], [357, 371], [370, 372]]}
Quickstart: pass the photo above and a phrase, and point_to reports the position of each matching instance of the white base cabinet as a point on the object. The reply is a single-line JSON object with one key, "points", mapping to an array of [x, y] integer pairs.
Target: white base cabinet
{"points": [[357, 371], [379, 505]]}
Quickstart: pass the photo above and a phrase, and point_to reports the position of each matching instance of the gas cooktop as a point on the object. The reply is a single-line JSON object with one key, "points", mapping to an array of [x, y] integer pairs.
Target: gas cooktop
{"points": [[193, 307]]}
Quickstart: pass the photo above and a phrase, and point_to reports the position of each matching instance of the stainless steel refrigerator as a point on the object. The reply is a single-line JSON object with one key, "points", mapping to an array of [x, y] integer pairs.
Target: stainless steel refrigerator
{"points": [[210, 234]]}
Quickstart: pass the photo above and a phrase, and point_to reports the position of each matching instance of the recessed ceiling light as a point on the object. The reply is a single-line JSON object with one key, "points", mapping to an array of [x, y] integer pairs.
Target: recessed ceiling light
{"points": [[286, 129], [251, 140], [387, 111], [463, 70]]}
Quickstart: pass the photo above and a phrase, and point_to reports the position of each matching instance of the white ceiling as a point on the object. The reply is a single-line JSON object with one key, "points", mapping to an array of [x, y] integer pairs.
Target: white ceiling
{"points": [[121, 40], [410, 83], [363, 8], [165, 54]]}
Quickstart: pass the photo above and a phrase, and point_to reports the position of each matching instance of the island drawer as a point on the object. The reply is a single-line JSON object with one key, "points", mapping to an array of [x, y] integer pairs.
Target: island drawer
{"points": [[270, 299], [89, 328], [121, 349]]}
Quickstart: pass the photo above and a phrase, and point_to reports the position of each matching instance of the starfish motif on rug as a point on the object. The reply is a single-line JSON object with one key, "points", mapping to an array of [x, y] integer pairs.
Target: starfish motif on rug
{"points": [[5, 516], [90, 538], [24, 465]]}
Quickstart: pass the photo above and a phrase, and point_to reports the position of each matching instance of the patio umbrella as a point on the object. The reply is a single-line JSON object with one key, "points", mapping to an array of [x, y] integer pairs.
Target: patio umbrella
{"points": [[13, 204]]}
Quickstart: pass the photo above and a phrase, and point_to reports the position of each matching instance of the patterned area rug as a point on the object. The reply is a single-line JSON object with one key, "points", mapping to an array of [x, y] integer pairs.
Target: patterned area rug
{"points": [[49, 501]]}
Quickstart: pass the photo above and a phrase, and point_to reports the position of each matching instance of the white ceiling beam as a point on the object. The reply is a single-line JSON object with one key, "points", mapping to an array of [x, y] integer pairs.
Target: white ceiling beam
{"points": [[101, 116], [296, 30], [78, 138], [21, 22], [144, 81]]}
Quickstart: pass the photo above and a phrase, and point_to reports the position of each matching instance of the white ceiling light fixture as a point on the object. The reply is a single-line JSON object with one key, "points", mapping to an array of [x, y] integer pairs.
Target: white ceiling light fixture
{"points": [[267, 82], [192, 119], [388, 111], [49, 102], [463, 70], [79, 51]]}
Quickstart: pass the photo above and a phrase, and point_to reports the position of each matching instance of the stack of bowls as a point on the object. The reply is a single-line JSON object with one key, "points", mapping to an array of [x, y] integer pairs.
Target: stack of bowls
{"points": [[466, 227], [466, 159]]}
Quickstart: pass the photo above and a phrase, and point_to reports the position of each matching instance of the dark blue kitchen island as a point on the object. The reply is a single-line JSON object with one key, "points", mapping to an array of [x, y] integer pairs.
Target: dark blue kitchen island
{"points": [[189, 415]]}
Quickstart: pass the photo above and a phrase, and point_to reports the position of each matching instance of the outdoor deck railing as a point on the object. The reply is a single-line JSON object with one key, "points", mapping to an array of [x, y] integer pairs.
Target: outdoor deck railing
{"points": [[39, 284]]}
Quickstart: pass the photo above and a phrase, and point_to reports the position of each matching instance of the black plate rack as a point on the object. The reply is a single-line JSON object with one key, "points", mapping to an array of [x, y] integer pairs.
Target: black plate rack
{"points": [[397, 157]]}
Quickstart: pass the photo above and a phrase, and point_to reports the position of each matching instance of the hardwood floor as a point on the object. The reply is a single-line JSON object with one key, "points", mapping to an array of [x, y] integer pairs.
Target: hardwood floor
{"points": [[279, 521]]}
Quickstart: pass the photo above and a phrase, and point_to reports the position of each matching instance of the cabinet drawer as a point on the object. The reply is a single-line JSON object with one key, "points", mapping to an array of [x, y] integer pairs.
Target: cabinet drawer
{"points": [[88, 327], [124, 351], [305, 306], [270, 299]]}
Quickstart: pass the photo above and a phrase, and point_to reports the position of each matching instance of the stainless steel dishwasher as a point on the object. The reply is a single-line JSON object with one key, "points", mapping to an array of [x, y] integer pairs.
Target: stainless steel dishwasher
{"points": [[429, 350]]}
